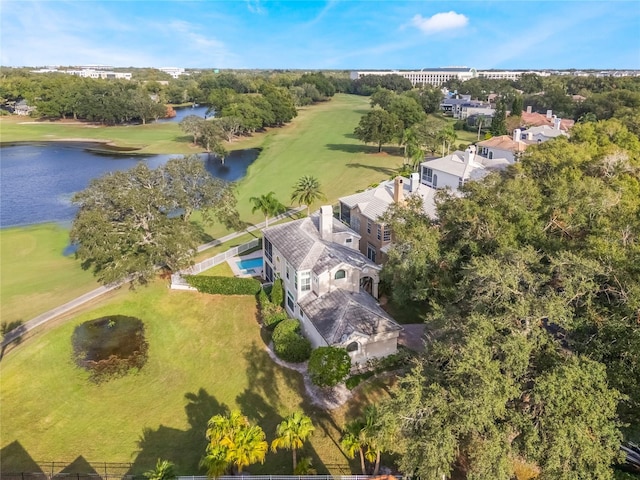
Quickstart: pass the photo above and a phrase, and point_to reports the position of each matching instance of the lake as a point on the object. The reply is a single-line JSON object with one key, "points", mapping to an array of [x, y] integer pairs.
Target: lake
{"points": [[37, 181]]}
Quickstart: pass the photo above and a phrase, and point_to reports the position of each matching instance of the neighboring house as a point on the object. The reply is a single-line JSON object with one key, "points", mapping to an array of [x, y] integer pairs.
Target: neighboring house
{"points": [[22, 108], [457, 168], [534, 119], [542, 133], [362, 212], [469, 110], [329, 285], [503, 146]]}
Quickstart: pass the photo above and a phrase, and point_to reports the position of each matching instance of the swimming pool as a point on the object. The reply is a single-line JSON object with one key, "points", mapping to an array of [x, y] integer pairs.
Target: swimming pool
{"points": [[250, 263]]}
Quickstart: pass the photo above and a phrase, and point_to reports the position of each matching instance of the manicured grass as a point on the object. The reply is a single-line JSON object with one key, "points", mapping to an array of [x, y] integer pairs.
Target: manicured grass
{"points": [[320, 143], [35, 276], [206, 354]]}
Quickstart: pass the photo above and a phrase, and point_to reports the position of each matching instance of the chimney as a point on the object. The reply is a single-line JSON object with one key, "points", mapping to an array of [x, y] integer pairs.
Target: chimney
{"points": [[556, 123], [529, 135], [529, 109], [469, 154], [326, 223], [415, 181], [398, 190], [516, 135], [549, 114]]}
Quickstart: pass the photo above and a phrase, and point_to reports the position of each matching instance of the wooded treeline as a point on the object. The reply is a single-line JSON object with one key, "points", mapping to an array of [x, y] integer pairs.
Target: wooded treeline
{"points": [[531, 285]]}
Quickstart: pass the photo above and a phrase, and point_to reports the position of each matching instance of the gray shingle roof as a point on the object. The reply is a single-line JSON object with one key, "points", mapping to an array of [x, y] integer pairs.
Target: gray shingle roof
{"points": [[375, 201], [300, 243], [340, 314]]}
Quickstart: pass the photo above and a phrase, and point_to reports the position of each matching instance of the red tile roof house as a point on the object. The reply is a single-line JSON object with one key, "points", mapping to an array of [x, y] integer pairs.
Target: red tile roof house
{"points": [[534, 119]]}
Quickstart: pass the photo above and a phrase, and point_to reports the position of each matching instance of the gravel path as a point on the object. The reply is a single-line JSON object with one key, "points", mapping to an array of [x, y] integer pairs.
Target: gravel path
{"points": [[325, 398]]}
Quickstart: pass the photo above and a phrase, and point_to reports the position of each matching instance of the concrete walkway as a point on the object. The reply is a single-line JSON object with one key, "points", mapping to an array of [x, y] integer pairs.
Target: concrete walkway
{"points": [[26, 327]]}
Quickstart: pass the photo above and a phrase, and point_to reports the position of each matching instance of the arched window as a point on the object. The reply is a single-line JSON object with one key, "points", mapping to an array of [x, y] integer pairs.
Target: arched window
{"points": [[340, 274], [353, 347]]}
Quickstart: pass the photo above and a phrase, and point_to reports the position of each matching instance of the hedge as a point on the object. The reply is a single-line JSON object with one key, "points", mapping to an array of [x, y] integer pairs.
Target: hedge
{"points": [[289, 344], [224, 285], [277, 293]]}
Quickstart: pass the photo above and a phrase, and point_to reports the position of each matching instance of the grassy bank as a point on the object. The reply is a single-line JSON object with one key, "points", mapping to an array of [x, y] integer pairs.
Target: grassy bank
{"points": [[35, 276], [206, 354]]}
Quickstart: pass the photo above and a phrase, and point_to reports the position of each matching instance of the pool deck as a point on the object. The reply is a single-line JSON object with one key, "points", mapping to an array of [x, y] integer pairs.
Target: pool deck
{"points": [[254, 272]]}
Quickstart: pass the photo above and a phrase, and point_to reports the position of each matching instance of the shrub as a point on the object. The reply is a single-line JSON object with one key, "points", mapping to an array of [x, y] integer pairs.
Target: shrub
{"points": [[355, 380], [273, 316], [288, 343], [277, 293], [224, 285], [263, 299], [328, 366]]}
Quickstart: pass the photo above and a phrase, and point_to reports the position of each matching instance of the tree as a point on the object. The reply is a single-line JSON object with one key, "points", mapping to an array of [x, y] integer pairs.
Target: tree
{"points": [[517, 106], [352, 443], [233, 441], [292, 433], [131, 222], [498, 125], [268, 204], [307, 190], [229, 127], [163, 471], [379, 127], [328, 366], [192, 124]]}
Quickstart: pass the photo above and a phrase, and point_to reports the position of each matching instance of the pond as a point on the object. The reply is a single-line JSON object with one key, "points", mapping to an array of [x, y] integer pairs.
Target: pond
{"points": [[37, 181], [110, 346]]}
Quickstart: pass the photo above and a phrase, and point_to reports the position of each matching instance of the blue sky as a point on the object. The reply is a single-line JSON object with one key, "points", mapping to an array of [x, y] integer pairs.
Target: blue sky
{"points": [[345, 34]]}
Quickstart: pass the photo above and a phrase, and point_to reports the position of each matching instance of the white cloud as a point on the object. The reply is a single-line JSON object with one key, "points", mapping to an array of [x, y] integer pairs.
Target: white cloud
{"points": [[255, 6], [440, 22]]}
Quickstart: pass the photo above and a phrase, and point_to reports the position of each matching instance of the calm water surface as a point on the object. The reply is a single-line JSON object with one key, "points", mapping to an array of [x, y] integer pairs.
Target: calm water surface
{"points": [[37, 181], [182, 112]]}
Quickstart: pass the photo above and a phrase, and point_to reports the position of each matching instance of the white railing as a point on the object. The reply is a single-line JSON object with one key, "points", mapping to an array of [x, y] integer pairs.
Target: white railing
{"points": [[179, 283]]}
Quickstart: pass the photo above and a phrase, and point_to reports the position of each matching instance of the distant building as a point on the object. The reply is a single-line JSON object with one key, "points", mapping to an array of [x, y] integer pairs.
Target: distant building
{"points": [[175, 72], [534, 119], [503, 146], [89, 73], [508, 75], [426, 76]]}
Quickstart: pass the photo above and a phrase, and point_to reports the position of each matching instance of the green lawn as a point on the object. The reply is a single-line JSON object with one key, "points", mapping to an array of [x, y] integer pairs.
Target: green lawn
{"points": [[206, 354], [35, 275]]}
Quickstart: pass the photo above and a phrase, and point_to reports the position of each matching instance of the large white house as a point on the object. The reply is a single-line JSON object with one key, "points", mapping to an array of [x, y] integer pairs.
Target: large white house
{"points": [[457, 168], [329, 285]]}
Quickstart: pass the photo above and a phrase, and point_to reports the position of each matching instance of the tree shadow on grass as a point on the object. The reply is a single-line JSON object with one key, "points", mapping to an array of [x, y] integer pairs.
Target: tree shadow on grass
{"points": [[352, 148], [12, 333], [184, 448], [261, 404], [183, 139], [384, 170]]}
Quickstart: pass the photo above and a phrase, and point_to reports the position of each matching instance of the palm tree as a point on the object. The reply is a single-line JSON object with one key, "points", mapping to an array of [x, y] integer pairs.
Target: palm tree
{"points": [[268, 204], [307, 190], [233, 441], [370, 435], [163, 471], [215, 461], [247, 446], [352, 442], [292, 433]]}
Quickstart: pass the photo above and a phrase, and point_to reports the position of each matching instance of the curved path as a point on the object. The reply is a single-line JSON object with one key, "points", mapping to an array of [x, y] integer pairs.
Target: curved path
{"points": [[26, 327]]}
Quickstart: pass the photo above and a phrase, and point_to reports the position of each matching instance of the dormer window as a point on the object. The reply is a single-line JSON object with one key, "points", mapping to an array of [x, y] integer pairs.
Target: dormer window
{"points": [[340, 274]]}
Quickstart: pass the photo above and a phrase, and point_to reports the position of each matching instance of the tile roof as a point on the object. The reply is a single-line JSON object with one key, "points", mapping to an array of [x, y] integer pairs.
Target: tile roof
{"points": [[340, 315], [535, 119], [503, 142]]}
